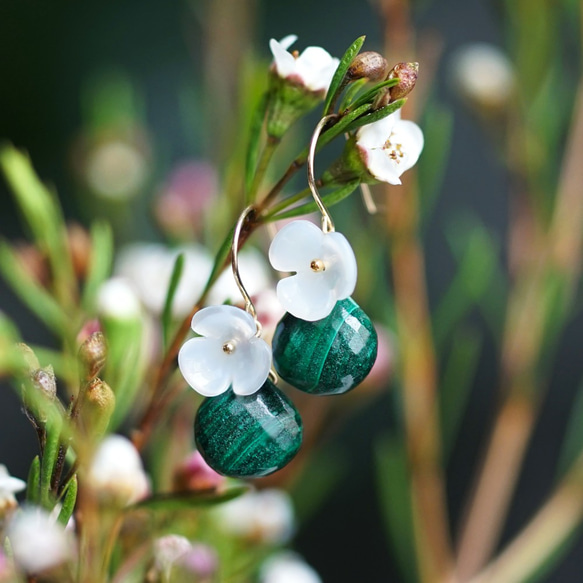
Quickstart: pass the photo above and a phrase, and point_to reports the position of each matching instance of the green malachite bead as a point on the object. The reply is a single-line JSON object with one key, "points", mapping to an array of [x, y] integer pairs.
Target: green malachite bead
{"points": [[248, 437], [329, 356]]}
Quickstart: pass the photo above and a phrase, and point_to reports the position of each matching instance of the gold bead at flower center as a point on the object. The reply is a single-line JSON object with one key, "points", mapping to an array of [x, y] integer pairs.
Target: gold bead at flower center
{"points": [[229, 347], [317, 265]]}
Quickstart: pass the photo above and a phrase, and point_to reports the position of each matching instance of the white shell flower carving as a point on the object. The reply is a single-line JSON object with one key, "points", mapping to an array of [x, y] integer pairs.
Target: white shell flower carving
{"points": [[390, 146], [227, 353], [314, 68], [324, 266]]}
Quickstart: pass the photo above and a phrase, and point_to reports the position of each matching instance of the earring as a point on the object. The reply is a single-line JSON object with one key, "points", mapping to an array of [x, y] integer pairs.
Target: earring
{"points": [[325, 344], [246, 427]]}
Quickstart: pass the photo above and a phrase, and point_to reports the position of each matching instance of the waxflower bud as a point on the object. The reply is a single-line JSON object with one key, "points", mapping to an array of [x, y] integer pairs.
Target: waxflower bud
{"points": [[98, 406], [44, 380], [29, 358], [92, 355], [407, 74], [368, 65]]}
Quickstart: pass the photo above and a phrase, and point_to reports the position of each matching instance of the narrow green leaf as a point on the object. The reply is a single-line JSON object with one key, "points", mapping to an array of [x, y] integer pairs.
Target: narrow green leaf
{"points": [[36, 297], [172, 287], [370, 95], [49, 458], [456, 385], [254, 141], [343, 125], [572, 445], [69, 500], [552, 560], [338, 78], [42, 214], [477, 255], [396, 505], [329, 200], [177, 501], [437, 131], [33, 482], [350, 94], [100, 262], [376, 115]]}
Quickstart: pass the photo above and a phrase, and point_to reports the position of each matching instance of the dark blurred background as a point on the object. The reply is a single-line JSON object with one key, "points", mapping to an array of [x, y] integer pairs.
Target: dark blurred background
{"points": [[49, 50]]}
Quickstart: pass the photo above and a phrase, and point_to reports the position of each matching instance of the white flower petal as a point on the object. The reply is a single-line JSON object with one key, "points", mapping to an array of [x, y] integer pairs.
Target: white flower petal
{"points": [[378, 165], [205, 366], [316, 68], [306, 296], [251, 364], [341, 269], [287, 41], [409, 134], [224, 323], [295, 246], [285, 62], [374, 135], [389, 147]]}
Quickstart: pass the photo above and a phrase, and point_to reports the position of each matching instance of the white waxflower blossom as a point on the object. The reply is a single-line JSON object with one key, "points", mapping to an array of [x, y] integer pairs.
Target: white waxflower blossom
{"points": [[117, 299], [390, 146], [148, 266], [168, 550], [324, 266], [287, 567], [116, 170], [254, 272], [38, 541], [314, 68], [483, 74], [116, 472], [9, 485], [227, 353], [264, 515]]}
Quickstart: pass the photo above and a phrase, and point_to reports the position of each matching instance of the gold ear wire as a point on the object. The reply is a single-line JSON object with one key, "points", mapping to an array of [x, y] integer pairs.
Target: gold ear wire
{"points": [[327, 222], [249, 307]]}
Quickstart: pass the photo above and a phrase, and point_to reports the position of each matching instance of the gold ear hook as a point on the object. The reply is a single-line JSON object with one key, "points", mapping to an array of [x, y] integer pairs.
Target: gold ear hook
{"points": [[327, 222], [249, 307]]}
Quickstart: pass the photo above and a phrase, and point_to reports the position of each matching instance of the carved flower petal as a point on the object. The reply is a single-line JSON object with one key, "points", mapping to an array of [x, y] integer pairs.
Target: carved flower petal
{"points": [[202, 364], [223, 323], [306, 296], [295, 246], [341, 269], [250, 366]]}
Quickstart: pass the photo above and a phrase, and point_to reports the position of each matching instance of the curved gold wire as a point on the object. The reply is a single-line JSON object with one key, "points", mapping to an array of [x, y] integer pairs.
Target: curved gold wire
{"points": [[327, 222], [249, 307]]}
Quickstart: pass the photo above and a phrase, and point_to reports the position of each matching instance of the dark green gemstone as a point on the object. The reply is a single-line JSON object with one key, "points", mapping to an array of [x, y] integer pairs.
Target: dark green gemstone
{"points": [[248, 437], [329, 356]]}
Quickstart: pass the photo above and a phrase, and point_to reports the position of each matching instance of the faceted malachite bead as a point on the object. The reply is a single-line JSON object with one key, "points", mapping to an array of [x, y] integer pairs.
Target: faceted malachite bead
{"points": [[248, 437], [329, 356]]}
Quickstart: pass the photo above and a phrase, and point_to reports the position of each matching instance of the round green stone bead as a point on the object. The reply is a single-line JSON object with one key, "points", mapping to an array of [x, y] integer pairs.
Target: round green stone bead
{"points": [[248, 437], [329, 356]]}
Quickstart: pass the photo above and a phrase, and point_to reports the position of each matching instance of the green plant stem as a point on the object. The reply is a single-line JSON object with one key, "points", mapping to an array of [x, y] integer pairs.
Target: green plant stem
{"points": [[419, 384], [263, 164], [550, 528], [286, 203], [551, 254]]}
